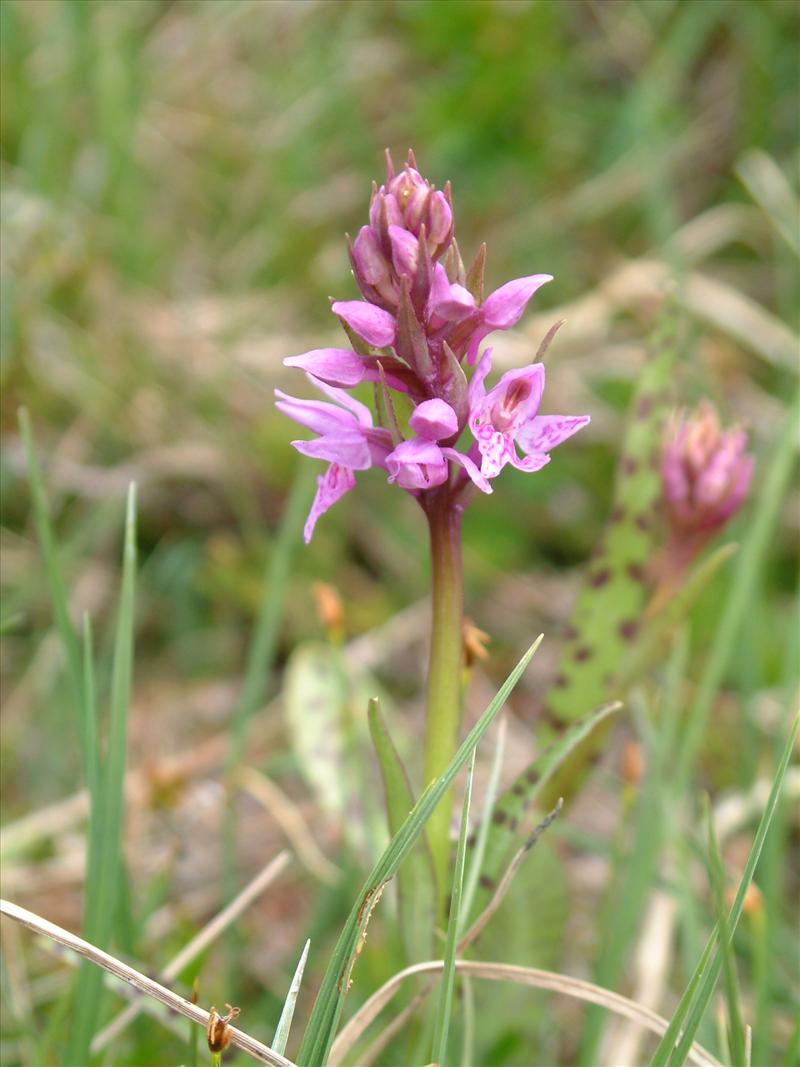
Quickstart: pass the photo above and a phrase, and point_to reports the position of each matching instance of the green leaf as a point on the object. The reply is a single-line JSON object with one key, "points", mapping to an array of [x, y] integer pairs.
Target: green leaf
{"points": [[287, 1012], [327, 1009], [416, 886], [444, 1007]]}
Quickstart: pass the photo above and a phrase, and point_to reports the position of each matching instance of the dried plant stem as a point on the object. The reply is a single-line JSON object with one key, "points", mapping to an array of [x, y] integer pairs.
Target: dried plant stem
{"points": [[139, 981], [199, 942], [505, 972]]}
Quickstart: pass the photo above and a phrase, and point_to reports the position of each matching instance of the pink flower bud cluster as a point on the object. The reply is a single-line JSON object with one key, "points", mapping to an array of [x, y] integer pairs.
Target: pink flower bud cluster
{"points": [[705, 475], [423, 317]]}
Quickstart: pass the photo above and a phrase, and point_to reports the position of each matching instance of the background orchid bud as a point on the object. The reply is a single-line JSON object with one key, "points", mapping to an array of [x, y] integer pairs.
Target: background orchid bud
{"points": [[705, 474]]}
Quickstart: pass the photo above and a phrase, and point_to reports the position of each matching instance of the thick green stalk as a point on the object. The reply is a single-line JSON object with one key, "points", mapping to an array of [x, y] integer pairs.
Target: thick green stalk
{"points": [[444, 669]]}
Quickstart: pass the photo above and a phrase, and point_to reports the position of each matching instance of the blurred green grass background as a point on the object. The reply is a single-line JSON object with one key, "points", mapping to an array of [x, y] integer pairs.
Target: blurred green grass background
{"points": [[177, 180]]}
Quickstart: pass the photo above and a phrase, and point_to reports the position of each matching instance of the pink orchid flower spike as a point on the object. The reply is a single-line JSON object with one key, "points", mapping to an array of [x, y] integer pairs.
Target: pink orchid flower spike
{"points": [[507, 416]]}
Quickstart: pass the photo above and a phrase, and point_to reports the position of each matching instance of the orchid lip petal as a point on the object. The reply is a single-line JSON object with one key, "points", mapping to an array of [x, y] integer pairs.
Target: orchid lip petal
{"points": [[544, 432], [331, 486]]}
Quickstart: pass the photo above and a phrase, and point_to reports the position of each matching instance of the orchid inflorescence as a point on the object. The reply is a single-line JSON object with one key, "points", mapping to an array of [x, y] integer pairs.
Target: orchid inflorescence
{"points": [[423, 317], [705, 476]]}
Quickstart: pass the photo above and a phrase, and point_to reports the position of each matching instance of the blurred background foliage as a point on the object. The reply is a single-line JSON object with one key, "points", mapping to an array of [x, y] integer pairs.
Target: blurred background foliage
{"points": [[177, 180]]}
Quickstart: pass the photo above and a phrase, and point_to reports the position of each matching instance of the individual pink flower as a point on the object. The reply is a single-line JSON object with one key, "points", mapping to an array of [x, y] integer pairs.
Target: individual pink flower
{"points": [[507, 416], [705, 473], [347, 440], [422, 463]]}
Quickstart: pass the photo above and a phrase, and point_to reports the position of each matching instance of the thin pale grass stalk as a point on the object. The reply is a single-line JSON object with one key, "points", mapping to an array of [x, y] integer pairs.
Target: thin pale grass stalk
{"points": [[139, 981], [287, 1012], [202, 939], [290, 819], [444, 1010], [506, 972]]}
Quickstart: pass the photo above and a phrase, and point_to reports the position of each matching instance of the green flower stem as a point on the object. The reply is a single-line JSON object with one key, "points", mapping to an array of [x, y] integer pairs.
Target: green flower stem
{"points": [[444, 671]]}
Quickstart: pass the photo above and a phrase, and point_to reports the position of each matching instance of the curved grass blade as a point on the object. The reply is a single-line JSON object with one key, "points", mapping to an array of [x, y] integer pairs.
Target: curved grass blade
{"points": [[327, 1009]]}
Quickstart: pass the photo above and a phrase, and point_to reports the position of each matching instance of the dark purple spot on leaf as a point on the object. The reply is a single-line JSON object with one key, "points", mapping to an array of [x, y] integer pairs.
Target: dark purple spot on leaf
{"points": [[645, 406], [629, 465], [582, 653], [637, 572], [628, 629], [617, 514], [560, 681], [600, 577]]}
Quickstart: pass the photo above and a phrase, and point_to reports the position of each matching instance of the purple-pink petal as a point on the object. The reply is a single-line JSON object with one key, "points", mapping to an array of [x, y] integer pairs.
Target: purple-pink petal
{"points": [[503, 308], [315, 414], [348, 448], [470, 467], [405, 251], [373, 324], [336, 366], [434, 420], [331, 486], [544, 432]]}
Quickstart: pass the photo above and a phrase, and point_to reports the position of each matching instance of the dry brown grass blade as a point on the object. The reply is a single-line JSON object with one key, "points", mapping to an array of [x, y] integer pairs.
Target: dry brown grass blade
{"points": [[506, 972], [139, 981], [290, 819], [210, 932]]}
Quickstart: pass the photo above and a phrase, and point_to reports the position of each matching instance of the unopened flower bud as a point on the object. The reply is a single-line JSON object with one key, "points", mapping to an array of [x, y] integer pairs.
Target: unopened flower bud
{"points": [[705, 475], [218, 1032]]}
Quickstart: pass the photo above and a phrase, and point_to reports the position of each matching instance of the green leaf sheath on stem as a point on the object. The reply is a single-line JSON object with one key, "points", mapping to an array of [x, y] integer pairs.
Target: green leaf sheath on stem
{"points": [[443, 696]]}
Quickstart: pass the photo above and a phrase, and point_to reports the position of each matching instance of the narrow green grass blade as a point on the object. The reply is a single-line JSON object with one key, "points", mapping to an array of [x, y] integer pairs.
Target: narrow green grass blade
{"points": [[482, 835], [89, 718], [52, 569], [716, 871], [327, 1010], [444, 1008], [698, 992], [104, 868], [416, 889], [287, 1012]]}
